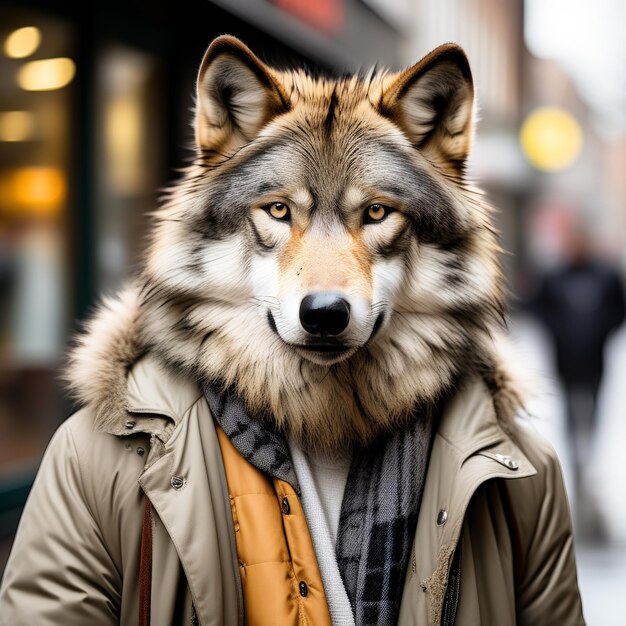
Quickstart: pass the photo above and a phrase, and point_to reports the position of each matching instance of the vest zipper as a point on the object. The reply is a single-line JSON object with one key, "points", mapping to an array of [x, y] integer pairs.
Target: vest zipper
{"points": [[451, 599]]}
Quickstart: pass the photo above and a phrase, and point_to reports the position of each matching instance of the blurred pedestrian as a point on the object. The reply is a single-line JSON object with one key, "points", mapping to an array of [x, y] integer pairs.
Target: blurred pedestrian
{"points": [[581, 303]]}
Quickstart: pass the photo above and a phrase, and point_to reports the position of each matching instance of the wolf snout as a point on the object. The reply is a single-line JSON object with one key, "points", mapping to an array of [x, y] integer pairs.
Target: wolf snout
{"points": [[324, 314]]}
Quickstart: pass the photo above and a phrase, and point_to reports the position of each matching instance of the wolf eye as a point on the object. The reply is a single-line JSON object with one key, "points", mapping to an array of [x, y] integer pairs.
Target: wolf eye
{"points": [[279, 211], [376, 213]]}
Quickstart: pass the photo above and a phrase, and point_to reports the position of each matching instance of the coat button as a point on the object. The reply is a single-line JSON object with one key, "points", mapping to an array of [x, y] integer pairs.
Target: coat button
{"points": [[130, 424], [442, 517], [177, 482], [304, 590], [286, 507], [507, 461], [140, 451]]}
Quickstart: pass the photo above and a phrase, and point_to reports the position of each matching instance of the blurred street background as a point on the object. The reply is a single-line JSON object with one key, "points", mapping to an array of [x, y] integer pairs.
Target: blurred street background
{"points": [[95, 117]]}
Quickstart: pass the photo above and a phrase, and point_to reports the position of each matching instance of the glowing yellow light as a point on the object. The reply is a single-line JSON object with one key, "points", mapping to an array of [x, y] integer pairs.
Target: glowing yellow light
{"points": [[34, 191], [123, 137], [22, 42], [16, 125], [551, 139], [46, 74]]}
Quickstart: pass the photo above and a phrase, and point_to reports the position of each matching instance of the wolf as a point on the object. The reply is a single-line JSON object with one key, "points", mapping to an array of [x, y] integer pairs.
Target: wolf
{"points": [[324, 254], [298, 411]]}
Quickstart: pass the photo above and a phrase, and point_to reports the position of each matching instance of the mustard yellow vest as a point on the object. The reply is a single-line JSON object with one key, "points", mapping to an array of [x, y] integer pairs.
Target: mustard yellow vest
{"points": [[281, 581]]}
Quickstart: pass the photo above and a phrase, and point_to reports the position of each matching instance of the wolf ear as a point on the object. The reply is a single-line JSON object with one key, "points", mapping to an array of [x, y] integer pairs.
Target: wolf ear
{"points": [[237, 95], [432, 102]]}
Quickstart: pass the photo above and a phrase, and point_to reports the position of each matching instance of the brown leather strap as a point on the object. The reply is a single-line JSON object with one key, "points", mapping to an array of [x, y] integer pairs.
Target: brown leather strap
{"points": [[145, 565]]}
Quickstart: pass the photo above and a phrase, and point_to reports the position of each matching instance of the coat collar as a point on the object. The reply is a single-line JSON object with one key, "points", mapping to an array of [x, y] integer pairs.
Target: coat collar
{"points": [[470, 447], [154, 402], [470, 424], [157, 398], [155, 389]]}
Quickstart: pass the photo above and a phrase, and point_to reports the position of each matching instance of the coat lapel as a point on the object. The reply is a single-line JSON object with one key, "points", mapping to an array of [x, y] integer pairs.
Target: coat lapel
{"points": [[469, 449], [186, 487]]}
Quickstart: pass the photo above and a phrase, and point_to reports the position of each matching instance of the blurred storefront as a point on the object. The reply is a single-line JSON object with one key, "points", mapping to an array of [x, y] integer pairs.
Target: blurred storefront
{"points": [[95, 118]]}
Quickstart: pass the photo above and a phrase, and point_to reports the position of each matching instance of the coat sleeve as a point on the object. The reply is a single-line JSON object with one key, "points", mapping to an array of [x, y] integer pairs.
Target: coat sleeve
{"points": [[547, 591], [59, 571]]}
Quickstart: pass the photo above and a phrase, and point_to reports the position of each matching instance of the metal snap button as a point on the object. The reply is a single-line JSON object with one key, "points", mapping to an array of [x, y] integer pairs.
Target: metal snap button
{"points": [[304, 590], [507, 461], [442, 517], [130, 423], [286, 507], [177, 482], [140, 451]]}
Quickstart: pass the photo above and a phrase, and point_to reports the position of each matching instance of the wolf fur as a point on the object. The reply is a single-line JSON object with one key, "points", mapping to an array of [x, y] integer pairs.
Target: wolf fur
{"points": [[215, 299]]}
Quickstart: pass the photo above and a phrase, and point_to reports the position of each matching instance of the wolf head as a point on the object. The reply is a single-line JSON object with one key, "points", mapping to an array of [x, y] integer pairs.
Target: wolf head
{"points": [[324, 255]]}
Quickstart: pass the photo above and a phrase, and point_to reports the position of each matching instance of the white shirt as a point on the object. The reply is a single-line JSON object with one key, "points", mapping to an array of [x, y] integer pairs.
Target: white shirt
{"points": [[322, 481]]}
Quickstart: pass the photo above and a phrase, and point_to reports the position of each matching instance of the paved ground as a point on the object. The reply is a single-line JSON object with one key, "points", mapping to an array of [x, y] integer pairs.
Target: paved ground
{"points": [[602, 566]]}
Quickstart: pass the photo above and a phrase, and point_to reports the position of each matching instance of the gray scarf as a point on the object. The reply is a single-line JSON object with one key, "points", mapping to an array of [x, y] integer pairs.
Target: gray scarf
{"points": [[380, 504]]}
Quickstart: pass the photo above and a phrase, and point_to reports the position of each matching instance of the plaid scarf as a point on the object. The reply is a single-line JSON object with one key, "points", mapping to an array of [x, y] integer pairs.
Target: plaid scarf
{"points": [[380, 504]]}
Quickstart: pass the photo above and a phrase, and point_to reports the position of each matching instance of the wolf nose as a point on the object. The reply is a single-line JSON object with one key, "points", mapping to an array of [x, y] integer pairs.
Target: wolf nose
{"points": [[324, 313]]}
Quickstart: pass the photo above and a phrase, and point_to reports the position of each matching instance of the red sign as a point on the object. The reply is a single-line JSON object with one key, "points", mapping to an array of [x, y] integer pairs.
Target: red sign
{"points": [[327, 16]]}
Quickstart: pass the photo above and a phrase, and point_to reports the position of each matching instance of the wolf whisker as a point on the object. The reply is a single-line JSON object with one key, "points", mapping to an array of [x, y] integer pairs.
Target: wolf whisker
{"points": [[266, 299]]}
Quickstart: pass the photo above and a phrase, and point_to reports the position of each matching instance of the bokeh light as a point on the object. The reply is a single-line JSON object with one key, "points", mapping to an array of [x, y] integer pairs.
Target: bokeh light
{"points": [[46, 74], [17, 125], [37, 191], [22, 42], [551, 139]]}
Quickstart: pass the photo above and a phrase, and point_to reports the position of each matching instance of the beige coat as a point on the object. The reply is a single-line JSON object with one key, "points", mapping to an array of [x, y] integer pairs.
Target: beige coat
{"points": [[76, 555]]}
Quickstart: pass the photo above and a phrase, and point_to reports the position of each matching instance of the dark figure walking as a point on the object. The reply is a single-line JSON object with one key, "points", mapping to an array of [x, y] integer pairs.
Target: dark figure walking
{"points": [[581, 304]]}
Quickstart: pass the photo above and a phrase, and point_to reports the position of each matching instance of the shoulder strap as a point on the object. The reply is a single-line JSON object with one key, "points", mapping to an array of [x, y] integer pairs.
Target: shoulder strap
{"points": [[145, 565]]}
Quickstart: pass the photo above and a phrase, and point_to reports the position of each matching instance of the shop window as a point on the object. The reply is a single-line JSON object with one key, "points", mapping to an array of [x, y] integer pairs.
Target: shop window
{"points": [[37, 69]]}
